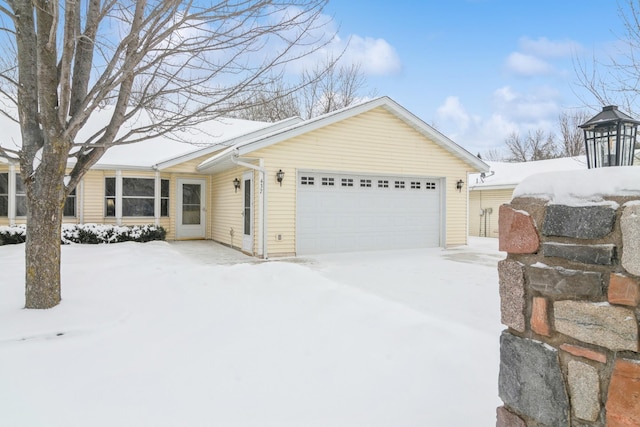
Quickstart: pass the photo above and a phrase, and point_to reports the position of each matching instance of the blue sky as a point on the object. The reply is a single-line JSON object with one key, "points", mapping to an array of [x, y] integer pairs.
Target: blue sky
{"points": [[479, 70]]}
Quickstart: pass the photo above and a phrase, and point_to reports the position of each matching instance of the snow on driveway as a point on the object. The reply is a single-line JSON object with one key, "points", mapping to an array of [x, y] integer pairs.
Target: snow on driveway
{"points": [[146, 336]]}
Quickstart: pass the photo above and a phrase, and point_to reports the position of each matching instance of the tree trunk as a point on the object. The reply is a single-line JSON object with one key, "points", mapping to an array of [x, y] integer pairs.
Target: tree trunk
{"points": [[44, 222]]}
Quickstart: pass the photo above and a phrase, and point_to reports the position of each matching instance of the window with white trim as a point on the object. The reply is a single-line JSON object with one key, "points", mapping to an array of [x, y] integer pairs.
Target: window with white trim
{"points": [[365, 183], [4, 194], [137, 198], [347, 182], [430, 185], [20, 198], [399, 184], [415, 185], [383, 183]]}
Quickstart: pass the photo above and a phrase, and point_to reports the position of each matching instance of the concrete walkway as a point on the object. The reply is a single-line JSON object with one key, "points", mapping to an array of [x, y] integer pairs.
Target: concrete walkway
{"points": [[210, 252]]}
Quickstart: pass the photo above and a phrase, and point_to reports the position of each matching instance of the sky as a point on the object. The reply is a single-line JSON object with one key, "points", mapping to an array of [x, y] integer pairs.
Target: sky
{"points": [[479, 70]]}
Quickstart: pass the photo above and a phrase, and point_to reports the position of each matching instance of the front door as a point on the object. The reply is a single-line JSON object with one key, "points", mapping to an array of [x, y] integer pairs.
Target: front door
{"points": [[247, 212], [191, 209]]}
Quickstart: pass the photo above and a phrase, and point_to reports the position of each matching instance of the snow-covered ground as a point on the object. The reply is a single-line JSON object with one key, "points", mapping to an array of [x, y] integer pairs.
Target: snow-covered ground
{"points": [[146, 336]]}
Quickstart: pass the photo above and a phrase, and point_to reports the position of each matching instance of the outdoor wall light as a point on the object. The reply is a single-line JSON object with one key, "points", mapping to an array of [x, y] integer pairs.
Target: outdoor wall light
{"points": [[280, 177], [236, 184], [610, 138], [459, 185]]}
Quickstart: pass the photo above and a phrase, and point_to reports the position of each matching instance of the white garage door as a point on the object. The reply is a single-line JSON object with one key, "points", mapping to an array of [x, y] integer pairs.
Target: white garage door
{"points": [[349, 212]]}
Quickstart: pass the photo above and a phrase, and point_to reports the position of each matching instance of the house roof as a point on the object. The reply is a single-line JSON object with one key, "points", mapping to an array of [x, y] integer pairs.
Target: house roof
{"points": [[227, 137], [504, 175], [246, 145], [185, 144], [163, 151]]}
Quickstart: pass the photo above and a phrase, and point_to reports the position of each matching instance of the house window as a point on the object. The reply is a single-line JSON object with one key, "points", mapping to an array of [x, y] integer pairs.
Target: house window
{"points": [[4, 194], [21, 198], [347, 182], [138, 197], [399, 184], [383, 183], [365, 183], [109, 197], [69, 208], [164, 197], [327, 181], [415, 185], [307, 180], [430, 185]]}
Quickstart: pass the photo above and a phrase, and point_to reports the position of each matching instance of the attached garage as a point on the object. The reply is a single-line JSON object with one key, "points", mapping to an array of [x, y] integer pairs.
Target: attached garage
{"points": [[354, 212], [372, 176]]}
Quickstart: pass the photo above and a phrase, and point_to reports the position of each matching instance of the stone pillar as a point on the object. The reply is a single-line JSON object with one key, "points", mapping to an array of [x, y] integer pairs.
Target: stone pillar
{"points": [[570, 294]]}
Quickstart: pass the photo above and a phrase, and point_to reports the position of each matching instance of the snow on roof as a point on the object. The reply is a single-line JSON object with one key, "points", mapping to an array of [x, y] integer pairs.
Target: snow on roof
{"points": [[509, 175], [581, 187], [148, 153]]}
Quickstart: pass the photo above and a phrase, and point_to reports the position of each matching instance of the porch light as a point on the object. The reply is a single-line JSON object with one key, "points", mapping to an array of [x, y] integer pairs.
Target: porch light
{"points": [[236, 184], [610, 138], [280, 177], [459, 185]]}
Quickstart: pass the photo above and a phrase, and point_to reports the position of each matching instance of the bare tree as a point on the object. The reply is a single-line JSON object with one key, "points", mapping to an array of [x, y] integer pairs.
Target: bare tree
{"points": [[536, 145], [178, 62], [329, 87], [572, 135], [615, 80], [274, 102], [325, 88]]}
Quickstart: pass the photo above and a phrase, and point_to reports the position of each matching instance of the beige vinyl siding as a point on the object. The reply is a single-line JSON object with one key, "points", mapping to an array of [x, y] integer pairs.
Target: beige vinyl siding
{"points": [[93, 196], [486, 225], [375, 142], [227, 223]]}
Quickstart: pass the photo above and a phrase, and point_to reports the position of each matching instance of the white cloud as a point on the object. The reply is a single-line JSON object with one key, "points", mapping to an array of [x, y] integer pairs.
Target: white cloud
{"points": [[550, 48], [454, 113], [527, 65], [375, 56], [539, 104], [510, 111]]}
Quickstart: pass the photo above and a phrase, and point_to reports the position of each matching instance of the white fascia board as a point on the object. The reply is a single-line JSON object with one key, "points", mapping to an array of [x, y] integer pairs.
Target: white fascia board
{"points": [[228, 143], [493, 187], [106, 166]]}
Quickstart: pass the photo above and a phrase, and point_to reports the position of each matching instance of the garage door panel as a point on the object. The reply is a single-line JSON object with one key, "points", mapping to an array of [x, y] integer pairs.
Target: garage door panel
{"points": [[366, 217]]}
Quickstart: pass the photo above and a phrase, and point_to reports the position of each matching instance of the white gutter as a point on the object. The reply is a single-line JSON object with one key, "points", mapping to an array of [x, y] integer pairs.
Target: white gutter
{"points": [[262, 209]]}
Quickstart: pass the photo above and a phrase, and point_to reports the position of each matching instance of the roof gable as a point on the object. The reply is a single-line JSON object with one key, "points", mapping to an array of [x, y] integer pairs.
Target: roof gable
{"points": [[248, 145]]}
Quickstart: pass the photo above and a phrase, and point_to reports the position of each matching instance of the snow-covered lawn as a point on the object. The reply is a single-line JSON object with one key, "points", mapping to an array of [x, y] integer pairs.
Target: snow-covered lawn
{"points": [[146, 336]]}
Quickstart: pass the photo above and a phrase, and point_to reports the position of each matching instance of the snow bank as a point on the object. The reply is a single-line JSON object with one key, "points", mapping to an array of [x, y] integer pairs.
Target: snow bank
{"points": [[581, 187]]}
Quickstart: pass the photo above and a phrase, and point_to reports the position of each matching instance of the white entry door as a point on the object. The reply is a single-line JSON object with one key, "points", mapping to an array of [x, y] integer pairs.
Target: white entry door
{"points": [[191, 218], [247, 212]]}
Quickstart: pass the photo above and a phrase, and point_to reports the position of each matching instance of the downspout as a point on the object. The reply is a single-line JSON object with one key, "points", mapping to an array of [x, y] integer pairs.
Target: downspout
{"points": [[262, 210]]}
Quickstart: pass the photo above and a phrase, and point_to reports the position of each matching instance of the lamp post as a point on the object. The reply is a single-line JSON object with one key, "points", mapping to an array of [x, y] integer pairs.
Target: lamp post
{"points": [[610, 138]]}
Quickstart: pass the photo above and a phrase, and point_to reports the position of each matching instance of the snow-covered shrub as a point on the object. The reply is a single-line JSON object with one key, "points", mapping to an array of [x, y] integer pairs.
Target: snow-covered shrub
{"points": [[12, 235], [91, 233]]}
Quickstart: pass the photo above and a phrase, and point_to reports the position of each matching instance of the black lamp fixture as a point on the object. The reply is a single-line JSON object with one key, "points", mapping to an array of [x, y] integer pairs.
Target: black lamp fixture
{"points": [[280, 177], [236, 184], [610, 138], [459, 185]]}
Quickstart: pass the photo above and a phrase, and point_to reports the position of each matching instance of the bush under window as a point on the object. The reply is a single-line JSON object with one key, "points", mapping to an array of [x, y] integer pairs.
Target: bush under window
{"points": [[90, 234]]}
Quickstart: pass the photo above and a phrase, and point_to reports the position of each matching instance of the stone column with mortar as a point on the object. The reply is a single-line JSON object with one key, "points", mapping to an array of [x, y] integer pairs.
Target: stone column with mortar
{"points": [[570, 294]]}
